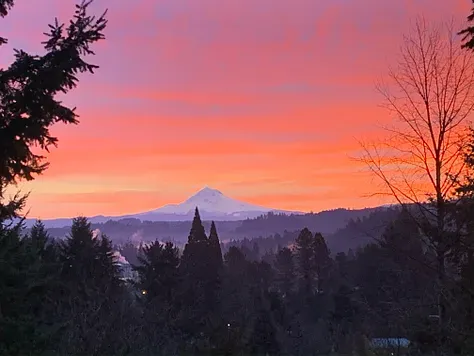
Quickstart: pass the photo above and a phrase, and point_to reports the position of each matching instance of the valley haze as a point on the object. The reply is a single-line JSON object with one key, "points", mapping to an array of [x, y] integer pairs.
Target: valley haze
{"points": [[236, 221]]}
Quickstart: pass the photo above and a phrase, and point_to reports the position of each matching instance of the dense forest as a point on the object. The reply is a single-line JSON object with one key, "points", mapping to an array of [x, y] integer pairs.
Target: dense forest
{"points": [[348, 229], [407, 288], [70, 298]]}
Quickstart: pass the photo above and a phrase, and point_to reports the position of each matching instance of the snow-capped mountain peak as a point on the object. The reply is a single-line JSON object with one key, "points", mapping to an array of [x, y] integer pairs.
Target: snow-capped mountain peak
{"points": [[205, 194], [210, 201]]}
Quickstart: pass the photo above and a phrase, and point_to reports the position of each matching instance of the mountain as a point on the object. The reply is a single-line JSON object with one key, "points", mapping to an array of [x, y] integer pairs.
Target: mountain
{"points": [[212, 204]]}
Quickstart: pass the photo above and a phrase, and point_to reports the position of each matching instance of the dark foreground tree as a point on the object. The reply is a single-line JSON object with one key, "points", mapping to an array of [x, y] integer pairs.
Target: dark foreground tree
{"points": [[468, 33], [28, 109], [158, 282], [28, 104], [304, 262], [464, 252], [158, 273], [215, 246], [431, 94], [29, 277], [322, 261], [92, 291], [199, 268]]}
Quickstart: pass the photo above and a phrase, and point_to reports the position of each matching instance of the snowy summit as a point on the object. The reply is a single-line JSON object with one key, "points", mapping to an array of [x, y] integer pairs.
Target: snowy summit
{"points": [[212, 204]]}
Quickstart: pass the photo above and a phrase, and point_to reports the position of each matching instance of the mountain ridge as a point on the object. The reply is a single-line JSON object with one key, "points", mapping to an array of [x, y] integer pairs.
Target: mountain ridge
{"points": [[212, 205]]}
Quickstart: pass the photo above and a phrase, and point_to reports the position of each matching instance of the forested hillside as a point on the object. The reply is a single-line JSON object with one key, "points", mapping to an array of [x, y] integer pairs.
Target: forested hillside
{"points": [[345, 225]]}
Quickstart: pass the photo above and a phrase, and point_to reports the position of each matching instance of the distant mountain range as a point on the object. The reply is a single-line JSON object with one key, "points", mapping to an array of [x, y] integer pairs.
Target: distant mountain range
{"points": [[342, 228], [236, 221], [212, 205]]}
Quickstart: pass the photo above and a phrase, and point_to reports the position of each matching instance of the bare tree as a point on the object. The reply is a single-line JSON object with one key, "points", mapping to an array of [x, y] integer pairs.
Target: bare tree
{"points": [[430, 91]]}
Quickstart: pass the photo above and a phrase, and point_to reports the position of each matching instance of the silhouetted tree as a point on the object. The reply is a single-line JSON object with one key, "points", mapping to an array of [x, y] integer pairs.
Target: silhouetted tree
{"points": [[199, 269], [5, 6], [38, 235], [431, 92], [468, 33], [215, 271], [28, 88], [322, 261], [215, 246], [197, 232], [285, 271], [28, 282], [92, 289], [158, 273], [158, 283], [463, 254], [28, 109], [305, 258]]}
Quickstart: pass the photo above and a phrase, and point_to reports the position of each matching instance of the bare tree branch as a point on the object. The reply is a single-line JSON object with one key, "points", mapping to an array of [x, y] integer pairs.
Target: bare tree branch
{"points": [[430, 93]]}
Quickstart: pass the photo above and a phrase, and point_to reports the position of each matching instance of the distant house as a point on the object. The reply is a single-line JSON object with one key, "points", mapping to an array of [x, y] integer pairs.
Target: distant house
{"points": [[390, 346], [127, 272]]}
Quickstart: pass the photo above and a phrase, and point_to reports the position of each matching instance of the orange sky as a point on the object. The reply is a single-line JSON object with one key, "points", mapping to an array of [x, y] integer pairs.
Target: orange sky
{"points": [[261, 99]]}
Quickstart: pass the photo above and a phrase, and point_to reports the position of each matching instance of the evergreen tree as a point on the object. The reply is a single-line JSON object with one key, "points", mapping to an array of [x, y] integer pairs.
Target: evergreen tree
{"points": [[38, 234], [42, 242], [198, 288], [463, 256], [197, 232], [215, 266], [468, 33], [305, 258], [322, 261], [237, 306], [30, 109], [158, 273], [235, 261], [158, 283], [92, 291], [194, 262], [215, 246], [285, 270], [28, 282]]}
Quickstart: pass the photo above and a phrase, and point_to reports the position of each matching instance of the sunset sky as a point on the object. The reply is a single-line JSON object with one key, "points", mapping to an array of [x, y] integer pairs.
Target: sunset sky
{"points": [[262, 99]]}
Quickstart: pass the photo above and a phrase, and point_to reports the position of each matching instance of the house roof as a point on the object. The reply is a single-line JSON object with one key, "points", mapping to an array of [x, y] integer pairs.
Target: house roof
{"points": [[389, 342]]}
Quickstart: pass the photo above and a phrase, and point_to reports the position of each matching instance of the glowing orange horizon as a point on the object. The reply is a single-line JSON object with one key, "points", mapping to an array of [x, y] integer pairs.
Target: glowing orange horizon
{"points": [[264, 101]]}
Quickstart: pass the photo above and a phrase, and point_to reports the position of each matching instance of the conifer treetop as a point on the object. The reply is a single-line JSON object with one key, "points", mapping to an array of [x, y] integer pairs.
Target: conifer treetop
{"points": [[28, 89], [213, 237], [197, 232]]}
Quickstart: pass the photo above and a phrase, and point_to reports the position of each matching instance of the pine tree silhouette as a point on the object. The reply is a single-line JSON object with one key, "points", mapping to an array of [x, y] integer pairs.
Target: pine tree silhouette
{"points": [[305, 259], [197, 232], [28, 322], [215, 246], [29, 110], [92, 289], [322, 261]]}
